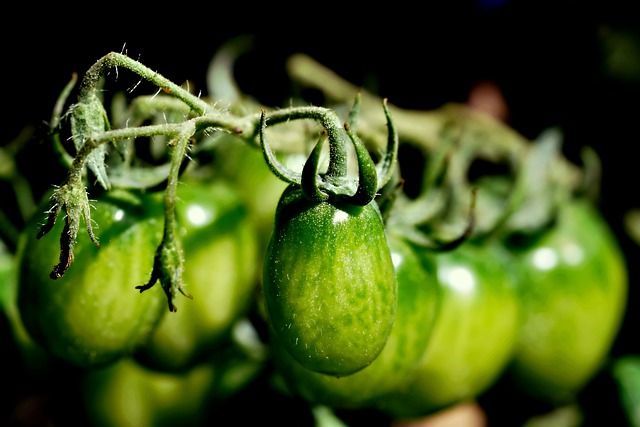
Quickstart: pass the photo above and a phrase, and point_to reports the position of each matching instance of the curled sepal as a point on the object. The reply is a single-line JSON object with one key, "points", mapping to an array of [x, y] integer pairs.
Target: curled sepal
{"points": [[533, 200], [354, 113], [278, 169], [592, 172], [386, 166], [168, 265], [367, 175], [438, 243], [72, 198], [451, 244], [89, 118], [309, 177]]}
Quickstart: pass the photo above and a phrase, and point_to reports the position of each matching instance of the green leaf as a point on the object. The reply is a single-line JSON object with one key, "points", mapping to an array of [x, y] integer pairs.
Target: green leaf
{"points": [[89, 118]]}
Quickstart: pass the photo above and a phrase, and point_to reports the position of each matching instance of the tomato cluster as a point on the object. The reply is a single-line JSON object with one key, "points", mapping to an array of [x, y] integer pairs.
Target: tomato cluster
{"points": [[323, 285], [540, 314], [134, 362]]}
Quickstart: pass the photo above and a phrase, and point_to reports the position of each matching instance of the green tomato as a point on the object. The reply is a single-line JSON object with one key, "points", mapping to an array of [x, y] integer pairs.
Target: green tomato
{"points": [[8, 306], [418, 297], [474, 334], [7, 273], [127, 393], [220, 244], [244, 167], [329, 284], [33, 359], [93, 315], [574, 290]]}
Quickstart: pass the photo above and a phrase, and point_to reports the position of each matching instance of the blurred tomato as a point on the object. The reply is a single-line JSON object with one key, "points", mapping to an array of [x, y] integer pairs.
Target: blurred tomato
{"points": [[220, 244], [573, 291]]}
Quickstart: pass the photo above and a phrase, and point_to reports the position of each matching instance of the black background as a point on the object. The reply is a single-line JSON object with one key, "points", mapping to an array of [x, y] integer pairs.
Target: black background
{"points": [[547, 58]]}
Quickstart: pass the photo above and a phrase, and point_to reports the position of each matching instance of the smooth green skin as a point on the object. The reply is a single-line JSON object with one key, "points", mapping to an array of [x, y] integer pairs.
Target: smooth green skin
{"points": [[221, 269], [35, 360], [128, 394], [418, 298], [244, 167], [474, 334], [329, 283], [7, 279], [93, 315], [574, 291]]}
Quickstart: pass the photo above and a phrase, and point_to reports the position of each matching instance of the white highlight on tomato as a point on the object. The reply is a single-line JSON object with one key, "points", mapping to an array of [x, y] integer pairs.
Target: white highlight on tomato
{"points": [[459, 278], [118, 215], [197, 215], [572, 254], [545, 259], [340, 216]]}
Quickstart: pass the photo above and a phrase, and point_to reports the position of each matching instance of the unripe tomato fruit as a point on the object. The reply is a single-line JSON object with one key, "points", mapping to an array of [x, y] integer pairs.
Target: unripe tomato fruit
{"points": [[243, 166], [329, 283], [418, 298], [128, 394], [220, 244], [574, 289], [474, 334], [93, 315]]}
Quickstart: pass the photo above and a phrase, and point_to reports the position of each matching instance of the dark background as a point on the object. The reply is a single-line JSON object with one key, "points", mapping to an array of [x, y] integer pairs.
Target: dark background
{"points": [[550, 58], [555, 63]]}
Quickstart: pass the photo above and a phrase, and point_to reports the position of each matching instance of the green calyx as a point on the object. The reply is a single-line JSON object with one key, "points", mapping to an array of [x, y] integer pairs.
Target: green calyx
{"points": [[336, 182]]}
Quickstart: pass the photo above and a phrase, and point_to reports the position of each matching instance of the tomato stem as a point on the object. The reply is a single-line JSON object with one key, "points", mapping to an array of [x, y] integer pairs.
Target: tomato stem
{"points": [[168, 262], [91, 81]]}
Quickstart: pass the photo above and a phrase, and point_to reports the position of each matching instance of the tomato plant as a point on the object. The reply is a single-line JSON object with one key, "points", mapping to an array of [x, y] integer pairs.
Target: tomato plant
{"points": [[474, 333], [93, 315], [574, 288], [220, 244], [360, 315], [416, 310]]}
